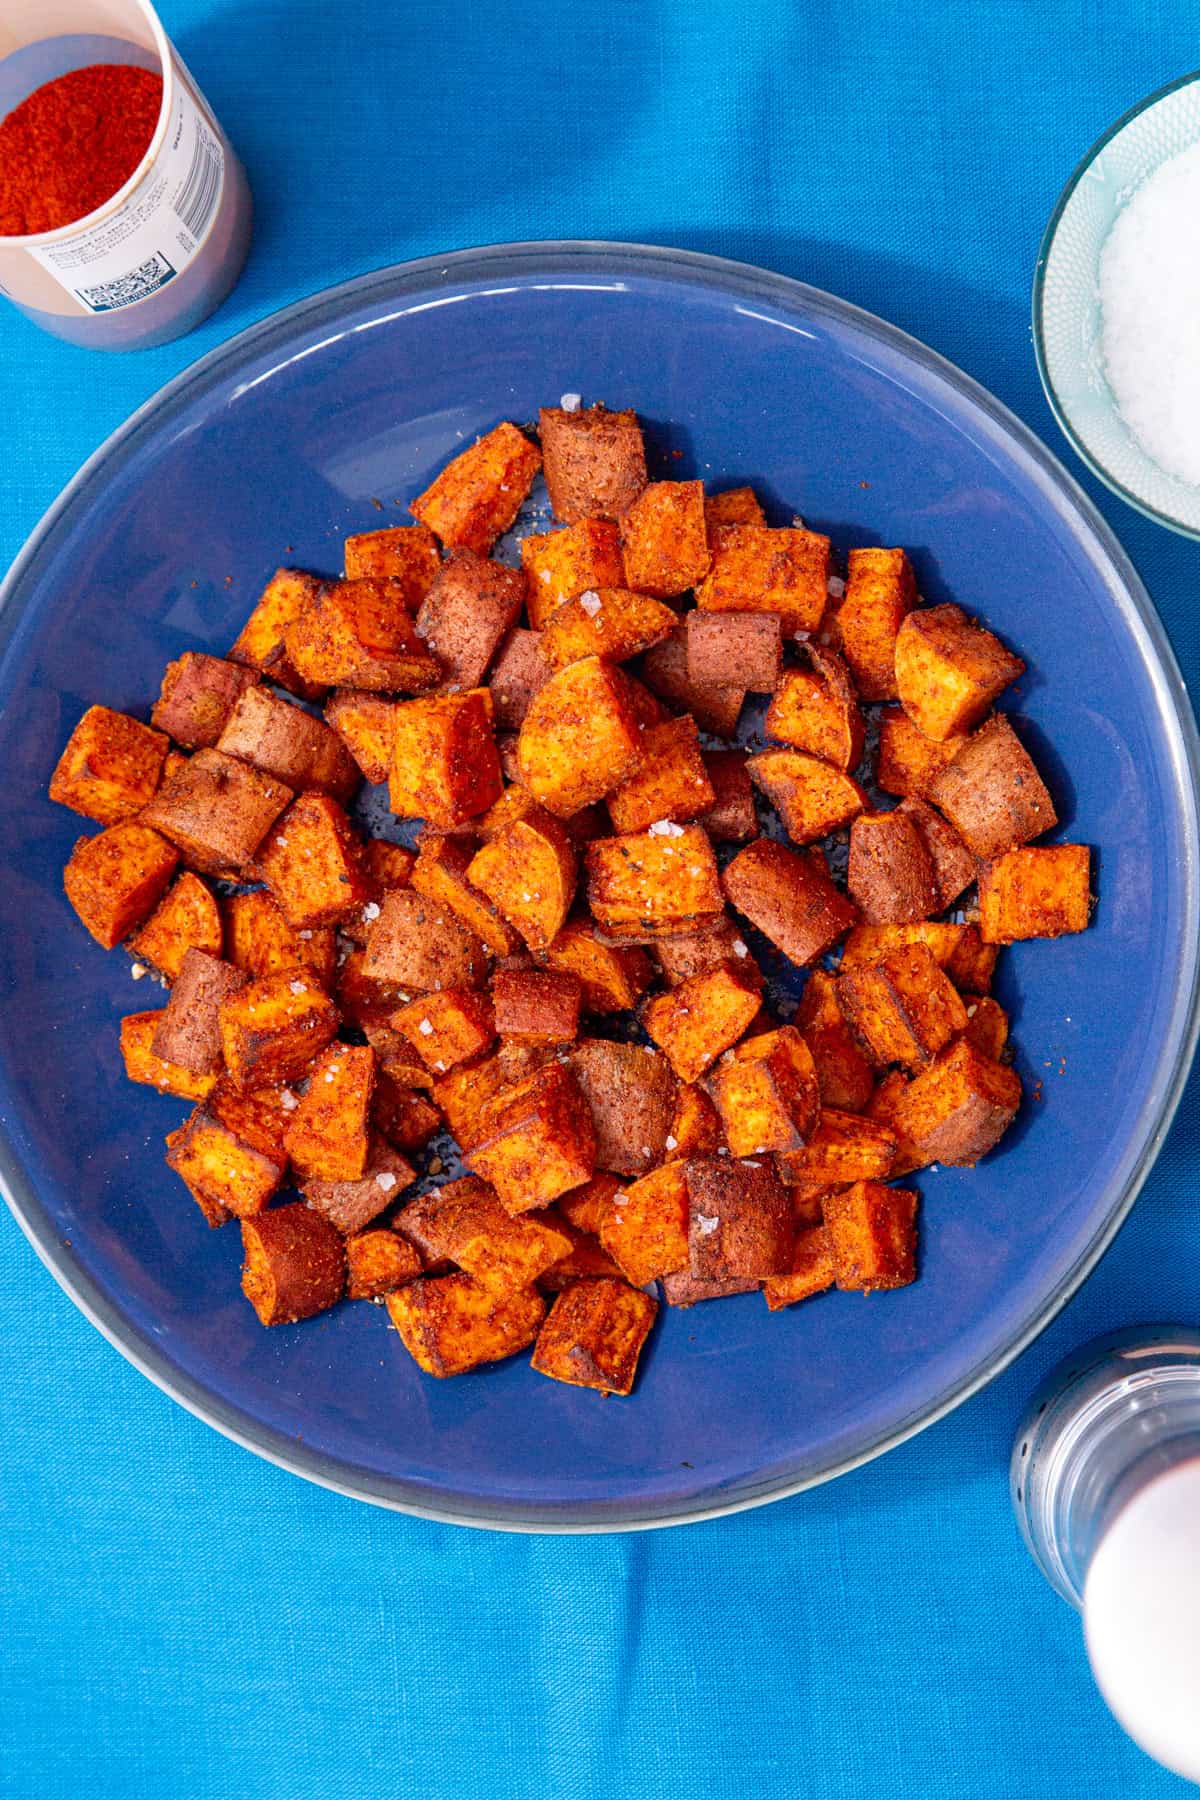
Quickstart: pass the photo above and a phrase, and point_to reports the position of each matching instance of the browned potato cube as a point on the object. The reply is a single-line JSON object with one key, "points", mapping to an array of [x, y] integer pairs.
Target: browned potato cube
{"points": [[987, 1026], [954, 868], [385, 866], [217, 811], [447, 1028], [360, 634], [405, 553], [844, 1075], [377, 1263], [528, 873], [143, 1065], [903, 1008], [311, 863], [444, 763], [610, 622], [767, 1093], [260, 940], [328, 1134], [742, 649], [1036, 892], [789, 897], [845, 1147], [663, 538], [811, 797], [539, 1142], [595, 462], [630, 1092], [449, 1323], [231, 1149], [366, 724], [110, 768], [696, 1127], [808, 1197], [416, 943], [973, 963], [440, 875], [758, 569], [189, 1033], [186, 918], [702, 1017], [295, 1265], [949, 670], [464, 1094], [594, 1335], [880, 593], [885, 1104], [691, 953], [816, 710], [909, 762], [286, 598], [731, 819], [351, 1204], [665, 672], [584, 1207], [478, 495], [467, 1225], [116, 879], [670, 781], [584, 1261], [285, 741], [273, 1028], [653, 882], [519, 672], [992, 794], [868, 944], [406, 1118], [736, 506], [890, 875], [872, 1232], [198, 694], [812, 1270], [644, 1227], [739, 1220], [537, 1006], [561, 564], [685, 1289], [614, 977], [957, 1110], [465, 615], [581, 737]]}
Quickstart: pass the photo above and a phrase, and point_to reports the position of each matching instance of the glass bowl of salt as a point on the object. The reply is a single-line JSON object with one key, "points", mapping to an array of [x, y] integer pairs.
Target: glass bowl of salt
{"points": [[1116, 307]]}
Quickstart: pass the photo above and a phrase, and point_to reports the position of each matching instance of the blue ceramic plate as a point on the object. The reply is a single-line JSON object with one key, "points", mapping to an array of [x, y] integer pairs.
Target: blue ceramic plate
{"points": [[271, 450]]}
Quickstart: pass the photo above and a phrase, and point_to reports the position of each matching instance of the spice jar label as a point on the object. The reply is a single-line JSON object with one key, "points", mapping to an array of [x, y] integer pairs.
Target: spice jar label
{"points": [[155, 233]]}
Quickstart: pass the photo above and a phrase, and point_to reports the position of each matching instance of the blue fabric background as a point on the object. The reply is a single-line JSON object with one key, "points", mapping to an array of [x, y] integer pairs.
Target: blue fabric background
{"points": [[178, 1619]]}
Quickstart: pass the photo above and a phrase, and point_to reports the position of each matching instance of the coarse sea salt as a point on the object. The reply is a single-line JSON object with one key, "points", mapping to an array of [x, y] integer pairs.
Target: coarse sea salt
{"points": [[590, 602], [1150, 314]]}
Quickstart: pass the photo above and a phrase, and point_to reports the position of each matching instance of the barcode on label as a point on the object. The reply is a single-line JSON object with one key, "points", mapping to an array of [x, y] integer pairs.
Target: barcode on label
{"points": [[124, 290], [198, 195]]}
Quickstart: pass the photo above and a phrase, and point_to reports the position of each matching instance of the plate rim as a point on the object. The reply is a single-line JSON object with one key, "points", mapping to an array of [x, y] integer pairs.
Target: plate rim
{"points": [[1093, 533]]}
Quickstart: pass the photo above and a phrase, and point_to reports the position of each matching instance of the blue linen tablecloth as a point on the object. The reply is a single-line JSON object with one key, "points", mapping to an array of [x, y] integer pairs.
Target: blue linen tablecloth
{"points": [[179, 1619]]}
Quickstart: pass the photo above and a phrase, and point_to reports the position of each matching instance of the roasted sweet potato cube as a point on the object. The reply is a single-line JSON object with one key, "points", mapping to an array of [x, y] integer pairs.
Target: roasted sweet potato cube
{"points": [[594, 1335], [973, 963], [116, 879], [992, 794], [197, 696], [470, 1227], [811, 797], [703, 1016], [872, 1233], [957, 1110], [630, 1092], [767, 1094], [360, 634], [903, 1008], [328, 1134], [610, 622], [417, 943], [867, 944], [405, 553], [537, 1006], [366, 724], [736, 506], [580, 738], [1040, 891], [653, 882], [288, 595], [377, 1263], [584, 1208], [670, 781], [444, 763], [954, 868], [311, 863], [440, 875], [259, 939], [987, 1026], [883, 1108], [478, 495], [949, 670], [584, 1261], [295, 1265], [561, 564], [731, 819], [613, 977], [844, 1075], [214, 1213], [111, 767], [880, 594], [739, 1219], [449, 1323], [143, 1065], [595, 461], [351, 1204], [231, 1149], [742, 649], [519, 672], [285, 741], [539, 1141], [463, 1094], [845, 1147], [665, 672], [217, 811], [807, 1197], [890, 875], [397, 1059], [644, 1227], [447, 1028], [812, 1270], [694, 951], [186, 918], [273, 1028], [684, 1289], [189, 1033], [386, 866], [406, 1118], [756, 568], [664, 540], [815, 710], [528, 873], [909, 762], [696, 1127], [790, 897], [463, 619]]}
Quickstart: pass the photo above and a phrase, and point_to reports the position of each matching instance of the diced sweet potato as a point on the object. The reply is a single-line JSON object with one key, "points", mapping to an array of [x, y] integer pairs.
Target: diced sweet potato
{"points": [[417, 943], [890, 875], [328, 1134], [360, 634], [197, 696], [845, 1147], [352, 1203], [736, 506], [386, 866], [789, 897], [584, 1261], [111, 766], [449, 1323], [259, 939], [670, 782], [539, 1142], [731, 819], [909, 762], [369, 1012], [812, 1270], [594, 1335], [295, 1265], [366, 724], [231, 1149], [903, 1008], [883, 1108], [867, 944], [519, 672], [440, 875], [767, 1093], [188, 1031], [663, 538], [759, 569], [949, 670], [696, 1127], [406, 1118], [703, 1016], [561, 564], [610, 622], [528, 874], [694, 951], [116, 879], [653, 883], [742, 649], [478, 495], [447, 1028], [377, 1263], [472, 604], [644, 1227], [288, 595], [186, 918], [816, 710], [311, 863], [630, 1091], [739, 1220], [992, 794], [811, 797], [880, 594], [872, 1233], [444, 763], [844, 1075], [665, 672], [613, 977], [285, 741], [987, 1026], [472, 1228], [405, 553], [217, 811], [463, 1094], [958, 1109], [143, 1065], [685, 1289], [954, 868], [808, 1197], [595, 462], [580, 738], [973, 963], [273, 1028], [584, 1207], [1036, 892], [537, 1006]]}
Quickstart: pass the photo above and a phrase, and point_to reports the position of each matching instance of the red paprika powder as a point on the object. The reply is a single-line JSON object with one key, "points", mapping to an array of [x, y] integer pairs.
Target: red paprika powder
{"points": [[68, 148]]}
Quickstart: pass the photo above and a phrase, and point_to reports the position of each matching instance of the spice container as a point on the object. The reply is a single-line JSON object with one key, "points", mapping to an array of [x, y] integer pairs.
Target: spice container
{"points": [[106, 101]]}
